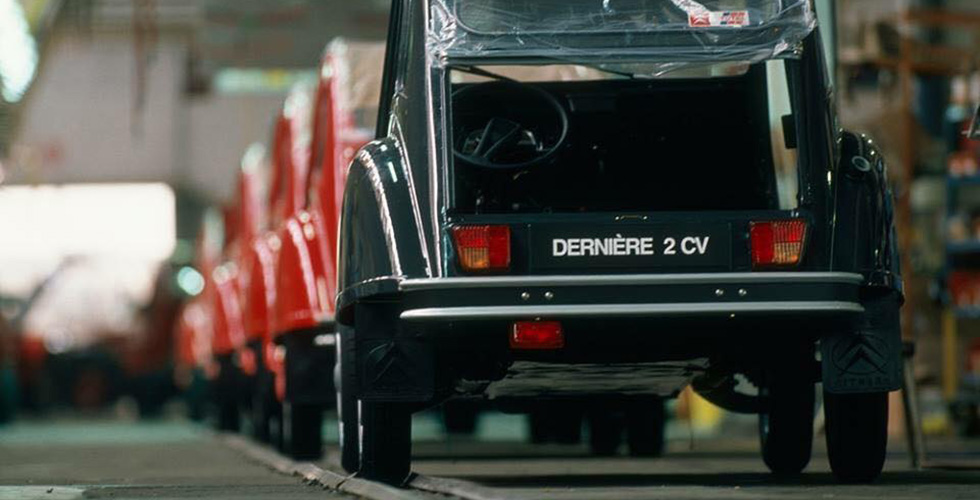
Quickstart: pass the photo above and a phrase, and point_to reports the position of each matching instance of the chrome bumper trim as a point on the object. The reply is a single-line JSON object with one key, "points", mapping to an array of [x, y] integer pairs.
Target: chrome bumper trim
{"points": [[629, 279], [625, 310]]}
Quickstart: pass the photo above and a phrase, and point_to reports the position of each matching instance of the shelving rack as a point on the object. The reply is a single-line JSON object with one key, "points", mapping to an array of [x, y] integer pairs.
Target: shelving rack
{"points": [[917, 58]]}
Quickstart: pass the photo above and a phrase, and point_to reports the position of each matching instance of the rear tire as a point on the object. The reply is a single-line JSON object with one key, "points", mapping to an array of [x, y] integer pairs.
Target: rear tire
{"points": [[303, 428], [228, 416], [538, 424], [605, 432], [347, 406], [386, 442], [225, 390], [556, 422], [568, 428], [645, 423], [857, 435], [786, 430], [277, 429], [460, 417], [261, 416]]}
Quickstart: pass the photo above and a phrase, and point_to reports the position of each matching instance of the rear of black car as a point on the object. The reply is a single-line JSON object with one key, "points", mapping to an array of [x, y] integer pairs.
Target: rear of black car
{"points": [[668, 227]]}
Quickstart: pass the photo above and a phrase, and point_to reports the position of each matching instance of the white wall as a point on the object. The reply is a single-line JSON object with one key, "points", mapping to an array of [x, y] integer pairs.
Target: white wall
{"points": [[80, 122], [217, 129]]}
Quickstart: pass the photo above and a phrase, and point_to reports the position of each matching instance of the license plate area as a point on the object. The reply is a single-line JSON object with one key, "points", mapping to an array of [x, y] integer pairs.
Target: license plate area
{"points": [[662, 246]]}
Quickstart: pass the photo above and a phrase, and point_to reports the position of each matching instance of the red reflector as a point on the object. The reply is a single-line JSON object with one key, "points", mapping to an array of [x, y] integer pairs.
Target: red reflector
{"points": [[482, 248], [777, 243], [537, 335]]}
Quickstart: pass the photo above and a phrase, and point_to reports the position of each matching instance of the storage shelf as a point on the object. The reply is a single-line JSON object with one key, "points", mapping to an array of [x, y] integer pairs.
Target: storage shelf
{"points": [[970, 312], [963, 180], [963, 247]]}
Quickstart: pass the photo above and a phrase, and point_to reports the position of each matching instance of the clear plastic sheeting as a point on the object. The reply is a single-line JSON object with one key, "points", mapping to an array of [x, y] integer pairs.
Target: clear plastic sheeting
{"points": [[674, 33], [359, 69]]}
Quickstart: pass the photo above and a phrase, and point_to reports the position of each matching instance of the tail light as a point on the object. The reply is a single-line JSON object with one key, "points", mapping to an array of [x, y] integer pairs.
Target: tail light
{"points": [[482, 248], [777, 243], [537, 335]]}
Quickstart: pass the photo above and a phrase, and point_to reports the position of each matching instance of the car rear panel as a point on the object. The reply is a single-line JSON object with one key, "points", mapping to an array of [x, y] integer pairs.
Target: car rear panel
{"points": [[674, 242]]}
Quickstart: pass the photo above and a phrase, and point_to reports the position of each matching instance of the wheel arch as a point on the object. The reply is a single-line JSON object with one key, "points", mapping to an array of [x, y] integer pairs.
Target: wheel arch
{"points": [[864, 230], [381, 238]]}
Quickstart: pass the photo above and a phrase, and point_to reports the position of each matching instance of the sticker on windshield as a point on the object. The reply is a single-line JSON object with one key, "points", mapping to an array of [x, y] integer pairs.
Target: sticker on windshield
{"points": [[729, 19]]}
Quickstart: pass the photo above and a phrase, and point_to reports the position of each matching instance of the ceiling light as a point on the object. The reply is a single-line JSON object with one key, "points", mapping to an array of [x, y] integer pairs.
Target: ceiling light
{"points": [[18, 52]]}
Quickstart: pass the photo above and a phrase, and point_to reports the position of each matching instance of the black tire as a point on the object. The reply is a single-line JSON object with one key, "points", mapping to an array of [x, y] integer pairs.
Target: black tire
{"points": [[303, 429], [386, 442], [605, 432], [277, 431], [347, 409], [261, 415], [786, 430], [229, 419], [196, 397], [556, 422], [567, 425], [460, 417], [857, 435], [538, 426], [646, 420], [225, 393]]}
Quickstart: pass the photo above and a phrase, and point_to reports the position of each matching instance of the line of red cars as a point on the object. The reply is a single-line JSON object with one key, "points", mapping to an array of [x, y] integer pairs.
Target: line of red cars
{"points": [[257, 343]]}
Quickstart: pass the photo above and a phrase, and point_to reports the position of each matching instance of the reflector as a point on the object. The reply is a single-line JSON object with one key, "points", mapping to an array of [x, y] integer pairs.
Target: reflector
{"points": [[537, 335]]}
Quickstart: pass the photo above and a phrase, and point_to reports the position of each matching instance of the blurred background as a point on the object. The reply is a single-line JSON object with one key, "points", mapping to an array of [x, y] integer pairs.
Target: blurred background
{"points": [[123, 124]]}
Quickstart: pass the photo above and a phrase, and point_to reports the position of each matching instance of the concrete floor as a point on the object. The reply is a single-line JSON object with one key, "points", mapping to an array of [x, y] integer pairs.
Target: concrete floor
{"points": [[67, 459], [111, 459], [732, 470]]}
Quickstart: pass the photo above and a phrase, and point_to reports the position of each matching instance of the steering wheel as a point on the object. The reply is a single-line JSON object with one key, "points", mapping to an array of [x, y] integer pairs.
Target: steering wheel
{"points": [[506, 125]]}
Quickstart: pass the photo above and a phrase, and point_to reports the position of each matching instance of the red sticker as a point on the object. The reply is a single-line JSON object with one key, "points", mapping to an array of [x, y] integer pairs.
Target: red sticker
{"points": [[699, 20], [724, 19]]}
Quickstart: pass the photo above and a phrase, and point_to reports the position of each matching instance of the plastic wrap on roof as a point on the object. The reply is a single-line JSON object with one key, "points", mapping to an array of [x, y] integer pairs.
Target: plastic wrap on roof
{"points": [[358, 67], [668, 31]]}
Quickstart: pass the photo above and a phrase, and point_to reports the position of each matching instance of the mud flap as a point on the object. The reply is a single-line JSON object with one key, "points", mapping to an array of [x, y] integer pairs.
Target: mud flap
{"points": [[309, 366], [399, 369], [391, 365], [870, 359]]}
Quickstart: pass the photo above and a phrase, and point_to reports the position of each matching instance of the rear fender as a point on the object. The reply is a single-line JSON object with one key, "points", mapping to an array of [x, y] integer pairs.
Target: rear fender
{"points": [[864, 232], [259, 287], [869, 359], [301, 294], [229, 330], [381, 236]]}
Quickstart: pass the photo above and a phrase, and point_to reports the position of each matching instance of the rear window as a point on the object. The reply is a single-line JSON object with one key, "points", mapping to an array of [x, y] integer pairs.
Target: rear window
{"points": [[708, 141]]}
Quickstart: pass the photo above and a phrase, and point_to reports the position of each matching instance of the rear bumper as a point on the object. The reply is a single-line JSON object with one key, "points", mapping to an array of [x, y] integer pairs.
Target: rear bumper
{"points": [[460, 326], [707, 295]]}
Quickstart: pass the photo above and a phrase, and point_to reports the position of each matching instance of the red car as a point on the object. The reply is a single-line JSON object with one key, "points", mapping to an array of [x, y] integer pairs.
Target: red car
{"points": [[314, 173], [260, 276], [237, 374]]}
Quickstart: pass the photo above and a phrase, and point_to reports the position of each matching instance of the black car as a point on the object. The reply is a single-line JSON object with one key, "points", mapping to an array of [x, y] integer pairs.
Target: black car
{"points": [[600, 203]]}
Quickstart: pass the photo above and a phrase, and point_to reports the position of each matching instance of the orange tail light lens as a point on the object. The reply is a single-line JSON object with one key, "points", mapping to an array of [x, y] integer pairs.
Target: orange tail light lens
{"points": [[777, 243], [482, 248]]}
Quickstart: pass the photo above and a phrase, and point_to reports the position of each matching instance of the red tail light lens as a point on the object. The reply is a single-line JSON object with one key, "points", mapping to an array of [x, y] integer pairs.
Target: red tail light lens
{"points": [[537, 335], [482, 248], [777, 243]]}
